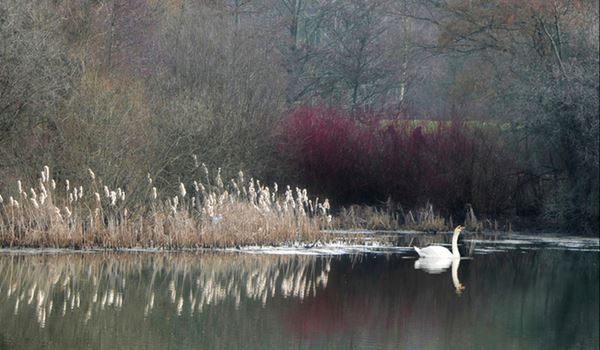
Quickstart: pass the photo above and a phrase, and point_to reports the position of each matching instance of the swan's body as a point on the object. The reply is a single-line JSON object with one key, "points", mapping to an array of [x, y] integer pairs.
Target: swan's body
{"points": [[436, 251]]}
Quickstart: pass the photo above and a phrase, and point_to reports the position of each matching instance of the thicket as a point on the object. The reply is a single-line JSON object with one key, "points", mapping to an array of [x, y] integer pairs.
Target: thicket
{"points": [[448, 164]]}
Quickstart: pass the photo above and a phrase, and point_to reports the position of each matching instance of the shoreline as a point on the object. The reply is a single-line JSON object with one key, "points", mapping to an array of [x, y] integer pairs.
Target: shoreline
{"points": [[350, 242]]}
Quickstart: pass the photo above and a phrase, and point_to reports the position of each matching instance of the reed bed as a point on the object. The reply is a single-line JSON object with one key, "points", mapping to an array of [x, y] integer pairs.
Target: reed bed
{"points": [[205, 212], [386, 218], [392, 217]]}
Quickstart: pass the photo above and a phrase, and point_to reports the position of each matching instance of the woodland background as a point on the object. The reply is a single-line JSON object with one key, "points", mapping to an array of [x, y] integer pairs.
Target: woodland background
{"points": [[490, 103]]}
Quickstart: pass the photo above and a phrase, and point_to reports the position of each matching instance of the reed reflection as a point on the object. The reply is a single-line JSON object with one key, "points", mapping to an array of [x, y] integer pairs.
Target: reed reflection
{"points": [[89, 284], [243, 301]]}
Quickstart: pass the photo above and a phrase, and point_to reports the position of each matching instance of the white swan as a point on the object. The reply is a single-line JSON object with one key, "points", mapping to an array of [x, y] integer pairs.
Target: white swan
{"points": [[436, 251]]}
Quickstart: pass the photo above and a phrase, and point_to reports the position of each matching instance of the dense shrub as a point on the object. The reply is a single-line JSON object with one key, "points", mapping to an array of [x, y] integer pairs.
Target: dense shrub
{"points": [[449, 164]]}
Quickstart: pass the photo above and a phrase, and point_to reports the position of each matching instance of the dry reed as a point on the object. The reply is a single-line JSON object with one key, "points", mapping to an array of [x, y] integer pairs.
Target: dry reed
{"points": [[392, 217], [207, 213]]}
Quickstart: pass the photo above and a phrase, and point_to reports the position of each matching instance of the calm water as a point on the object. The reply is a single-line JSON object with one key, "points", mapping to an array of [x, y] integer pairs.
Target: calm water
{"points": [[546, 298]]}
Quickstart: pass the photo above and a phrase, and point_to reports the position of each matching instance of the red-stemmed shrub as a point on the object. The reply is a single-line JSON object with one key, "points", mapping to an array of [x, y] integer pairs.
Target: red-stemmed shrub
{"points": [[448, 164]]}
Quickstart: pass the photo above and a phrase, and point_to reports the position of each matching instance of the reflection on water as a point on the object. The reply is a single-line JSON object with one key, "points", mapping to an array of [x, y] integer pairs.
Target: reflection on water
{"points": [[439, 265], [433, 265], [93, 282], [514, 300], [458, 287]]}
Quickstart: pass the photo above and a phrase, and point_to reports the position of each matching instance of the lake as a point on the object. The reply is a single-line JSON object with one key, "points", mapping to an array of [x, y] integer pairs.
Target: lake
{"points": [[520, 293]]}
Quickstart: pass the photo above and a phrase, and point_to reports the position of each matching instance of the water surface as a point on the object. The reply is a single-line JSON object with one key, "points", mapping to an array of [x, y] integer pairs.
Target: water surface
{"points": [[510, 295]]}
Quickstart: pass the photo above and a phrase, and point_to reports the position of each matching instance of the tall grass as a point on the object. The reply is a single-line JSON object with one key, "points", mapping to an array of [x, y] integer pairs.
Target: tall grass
{"points": [[390, 217], [206, 212]]}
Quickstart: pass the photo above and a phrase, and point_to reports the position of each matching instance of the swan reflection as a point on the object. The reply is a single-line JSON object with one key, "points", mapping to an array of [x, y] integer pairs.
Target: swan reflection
{"points": [[439, 265], [433, 265], [92, 283], [458, 287]]}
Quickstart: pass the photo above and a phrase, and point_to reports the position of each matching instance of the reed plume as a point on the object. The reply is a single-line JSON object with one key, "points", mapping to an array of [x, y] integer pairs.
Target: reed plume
{"points": [[224, 214]]}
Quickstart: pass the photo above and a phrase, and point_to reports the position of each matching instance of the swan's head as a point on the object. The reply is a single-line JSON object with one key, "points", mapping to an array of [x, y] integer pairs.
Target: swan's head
{"points": [[459, 229]]}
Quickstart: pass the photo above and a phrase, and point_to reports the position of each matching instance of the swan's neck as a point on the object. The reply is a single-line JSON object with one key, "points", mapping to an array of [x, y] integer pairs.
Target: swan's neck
{"points": [[455, 252]]}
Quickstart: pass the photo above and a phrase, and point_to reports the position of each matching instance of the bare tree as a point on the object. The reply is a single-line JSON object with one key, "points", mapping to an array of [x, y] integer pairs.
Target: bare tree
{"points": [[129, 29], [544, 76], [352, 54], [34, 66]]}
